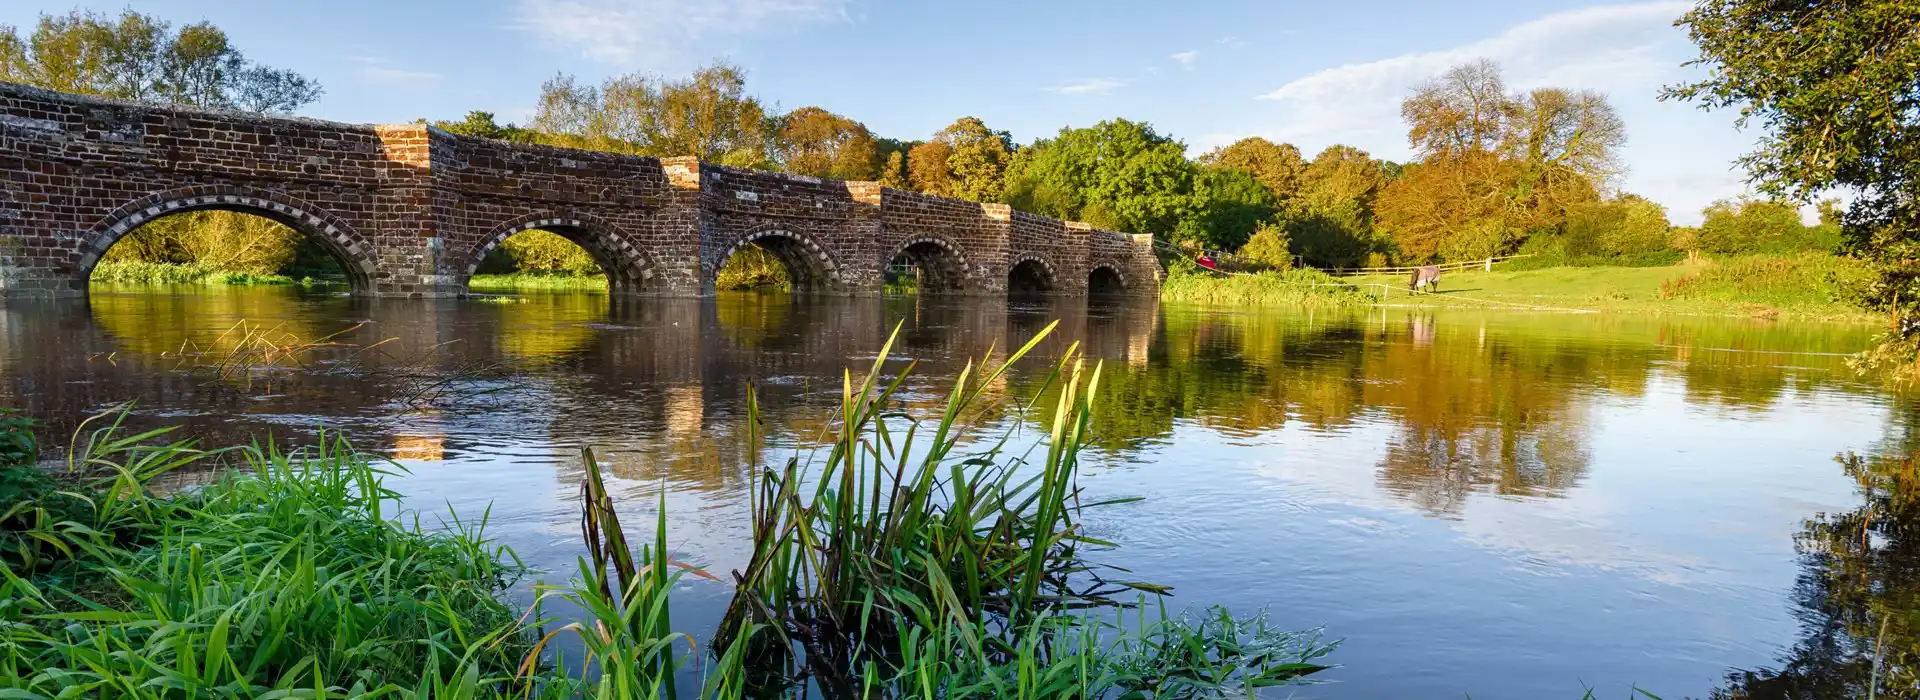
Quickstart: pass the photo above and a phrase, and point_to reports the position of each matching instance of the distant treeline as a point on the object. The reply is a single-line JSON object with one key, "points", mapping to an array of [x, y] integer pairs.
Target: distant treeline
{"points": [[1495, 171]]}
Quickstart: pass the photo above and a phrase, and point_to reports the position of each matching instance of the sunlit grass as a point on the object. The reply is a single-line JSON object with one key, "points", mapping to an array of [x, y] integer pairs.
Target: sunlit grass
{"points": [[138, 272], [535, 281]]}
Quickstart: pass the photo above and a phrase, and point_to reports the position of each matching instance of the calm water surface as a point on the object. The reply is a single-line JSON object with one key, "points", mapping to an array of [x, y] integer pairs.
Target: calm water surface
{"points": [[1507, 505]]}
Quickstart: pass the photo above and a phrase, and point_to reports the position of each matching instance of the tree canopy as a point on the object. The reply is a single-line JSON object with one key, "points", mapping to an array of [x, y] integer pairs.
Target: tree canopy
{"points": [[137, 57], [708, 114], [1835, 87]]}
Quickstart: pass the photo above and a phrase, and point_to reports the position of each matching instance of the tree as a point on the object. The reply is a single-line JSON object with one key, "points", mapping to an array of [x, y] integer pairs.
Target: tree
{"points": [[1835, 88], [816, 142], [965, 160], [138, 57], [1117, 174], [1733, 227], [707, 115], [1277, 166], [1230, 205], [1268, 246], [1463, 111], [482, 124], [927, 168]]}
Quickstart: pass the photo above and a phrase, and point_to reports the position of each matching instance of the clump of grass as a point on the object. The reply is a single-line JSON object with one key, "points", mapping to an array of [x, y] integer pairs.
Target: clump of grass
{"points": [[1295, 288], [193, 273], [1806, 281], [537, 281]]}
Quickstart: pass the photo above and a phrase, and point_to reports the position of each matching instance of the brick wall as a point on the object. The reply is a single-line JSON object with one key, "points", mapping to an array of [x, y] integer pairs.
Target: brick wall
{"points": [[411, 210]]}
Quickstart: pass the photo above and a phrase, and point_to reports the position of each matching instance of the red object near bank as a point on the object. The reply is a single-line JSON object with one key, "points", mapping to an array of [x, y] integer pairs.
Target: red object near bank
{"points": [[1206, 261]]}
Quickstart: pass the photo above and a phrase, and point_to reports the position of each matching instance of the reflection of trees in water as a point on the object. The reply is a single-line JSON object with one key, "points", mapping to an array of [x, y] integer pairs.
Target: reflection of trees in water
{"points": [[1437, 468], [1858, 593]]}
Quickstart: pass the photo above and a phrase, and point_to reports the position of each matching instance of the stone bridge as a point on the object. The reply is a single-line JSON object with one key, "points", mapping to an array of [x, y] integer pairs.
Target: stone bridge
{"points": [[411, 210]]}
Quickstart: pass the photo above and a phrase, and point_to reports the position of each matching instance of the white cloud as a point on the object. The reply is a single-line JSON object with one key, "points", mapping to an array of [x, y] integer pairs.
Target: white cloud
{"points": [[376, 71], [1186, 58], [637, 31], [1090, 86], [1612, 47]]}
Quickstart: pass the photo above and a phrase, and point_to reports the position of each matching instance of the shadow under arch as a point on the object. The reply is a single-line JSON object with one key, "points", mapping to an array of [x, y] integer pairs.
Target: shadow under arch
{"points": [[943, 268], [1030, 275], [810, 268], [628, 268], [347, 246], [1106, 280]]}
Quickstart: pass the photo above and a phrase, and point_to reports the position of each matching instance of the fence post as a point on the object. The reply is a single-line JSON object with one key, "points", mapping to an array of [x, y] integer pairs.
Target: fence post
{"points": [[1489, 264]]}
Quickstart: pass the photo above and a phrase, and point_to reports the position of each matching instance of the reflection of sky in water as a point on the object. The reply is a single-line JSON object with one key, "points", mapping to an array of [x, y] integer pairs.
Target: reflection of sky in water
{"points": [[1506, 505]]}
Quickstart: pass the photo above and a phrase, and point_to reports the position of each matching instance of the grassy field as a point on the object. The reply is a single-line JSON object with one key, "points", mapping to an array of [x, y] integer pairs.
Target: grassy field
{"points": [[533, 281], [1801, 287]]}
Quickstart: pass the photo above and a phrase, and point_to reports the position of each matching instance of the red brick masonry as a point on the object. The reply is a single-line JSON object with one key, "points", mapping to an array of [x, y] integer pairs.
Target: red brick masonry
{"points": [[410, 210]]}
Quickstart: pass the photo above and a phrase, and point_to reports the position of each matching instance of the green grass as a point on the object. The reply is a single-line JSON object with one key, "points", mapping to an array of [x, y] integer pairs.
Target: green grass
{"points": [[897, 567], [1293, 288], [138, 272], [535, 281], [1800, 287]]}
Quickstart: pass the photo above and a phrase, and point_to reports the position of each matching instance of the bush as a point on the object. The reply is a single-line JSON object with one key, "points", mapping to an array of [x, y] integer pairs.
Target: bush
{"points": [[752, 267], [220, 240], [139, 272], [1750, 226], [547, 252], [1805, 280], [1268, 247], [1302, 287]]}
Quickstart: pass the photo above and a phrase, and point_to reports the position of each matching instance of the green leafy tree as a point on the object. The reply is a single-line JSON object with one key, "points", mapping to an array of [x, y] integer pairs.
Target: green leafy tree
{"points": [[1269, 246], [1759, 226], [1116, 174], [1230, 204], [1835, 87], [138, 57], [1330, 221], [482, 124]]}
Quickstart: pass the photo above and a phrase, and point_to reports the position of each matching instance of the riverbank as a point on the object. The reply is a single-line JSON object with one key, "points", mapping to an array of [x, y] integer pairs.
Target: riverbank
{"points": [[537, 282], [1806, 287], [137, 272], [245, 587]]}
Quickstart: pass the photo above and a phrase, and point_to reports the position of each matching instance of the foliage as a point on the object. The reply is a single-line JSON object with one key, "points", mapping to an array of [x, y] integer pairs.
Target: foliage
{"points": [[532, 281], [482, 124], [965, 160], [708, 115], [220, 240], [1269, 247], [139, 57], [1804, 280], [752, 267], [546, 252], [1302, 288], [1231, 205], [141, 272], [1279, 167], [1495, 167], [1121, 175], [816, 142], [1834, 88], [1751, 226]]}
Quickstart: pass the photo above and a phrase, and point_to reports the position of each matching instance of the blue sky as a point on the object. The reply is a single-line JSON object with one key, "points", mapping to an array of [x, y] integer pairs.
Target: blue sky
{"points": [[1207, 72]]}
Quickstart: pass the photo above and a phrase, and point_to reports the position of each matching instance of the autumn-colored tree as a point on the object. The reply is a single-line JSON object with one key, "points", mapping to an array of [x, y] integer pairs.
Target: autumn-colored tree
{"points": [[927, 168], [708, 115], [969, 162], [1277, 166], [1496, 167], [816, 142]]}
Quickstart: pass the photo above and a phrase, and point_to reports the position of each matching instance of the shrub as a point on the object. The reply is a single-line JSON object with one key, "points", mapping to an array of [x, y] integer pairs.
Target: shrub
{"points": [[1269, 247]]}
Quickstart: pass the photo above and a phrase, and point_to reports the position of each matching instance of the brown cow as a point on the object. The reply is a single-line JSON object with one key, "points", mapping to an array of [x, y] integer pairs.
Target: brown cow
{"points": [[1425, 279]]}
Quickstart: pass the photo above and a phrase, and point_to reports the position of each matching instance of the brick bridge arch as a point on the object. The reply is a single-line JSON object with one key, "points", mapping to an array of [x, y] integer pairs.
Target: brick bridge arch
{"points": [[943, 266], [810, 265], [628, 267], [1042, 270], [348, 248]]}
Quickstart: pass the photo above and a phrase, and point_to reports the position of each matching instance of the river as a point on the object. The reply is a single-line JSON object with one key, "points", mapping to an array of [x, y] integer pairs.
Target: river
{"points": [[1509, 505]]}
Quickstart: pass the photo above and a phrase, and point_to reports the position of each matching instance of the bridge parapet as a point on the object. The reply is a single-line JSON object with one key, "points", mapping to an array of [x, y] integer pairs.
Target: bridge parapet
{"points": [[410, 210]]}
